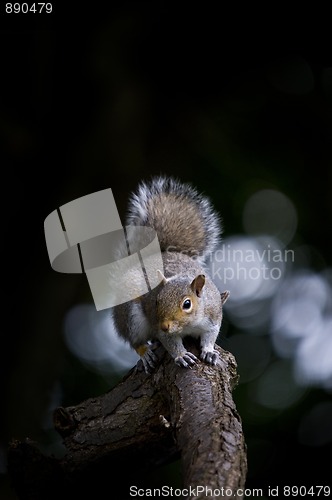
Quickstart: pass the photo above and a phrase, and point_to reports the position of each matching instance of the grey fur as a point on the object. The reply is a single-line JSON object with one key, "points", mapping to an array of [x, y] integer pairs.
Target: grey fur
{"points": [[183, 219], [188, 231]]}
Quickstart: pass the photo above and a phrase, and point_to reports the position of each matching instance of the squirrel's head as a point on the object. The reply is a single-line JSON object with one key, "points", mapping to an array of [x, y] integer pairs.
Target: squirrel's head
{"points": [[178, 301]]}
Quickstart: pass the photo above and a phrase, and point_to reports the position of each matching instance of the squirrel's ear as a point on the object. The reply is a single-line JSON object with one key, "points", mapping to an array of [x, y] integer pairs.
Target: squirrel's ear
{"points": [[197, 284], [163, 279], [224, 296]]}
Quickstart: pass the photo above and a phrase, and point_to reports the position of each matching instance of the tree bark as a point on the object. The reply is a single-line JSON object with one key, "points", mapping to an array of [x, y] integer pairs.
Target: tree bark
{"points": [[144, 422]]}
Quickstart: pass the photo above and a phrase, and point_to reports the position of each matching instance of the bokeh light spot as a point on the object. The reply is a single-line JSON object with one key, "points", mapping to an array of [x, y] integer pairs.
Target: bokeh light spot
{"points": [[270, 212], [276, 388], [302, 326], [90, 335]]}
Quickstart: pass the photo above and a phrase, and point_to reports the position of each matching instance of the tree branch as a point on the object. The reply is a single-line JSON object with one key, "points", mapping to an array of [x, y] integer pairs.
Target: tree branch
{"points": [[144, 422]]}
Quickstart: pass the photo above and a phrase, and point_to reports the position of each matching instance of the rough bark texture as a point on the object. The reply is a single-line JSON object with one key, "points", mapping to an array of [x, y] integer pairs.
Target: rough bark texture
{"points": [[144, 422]]}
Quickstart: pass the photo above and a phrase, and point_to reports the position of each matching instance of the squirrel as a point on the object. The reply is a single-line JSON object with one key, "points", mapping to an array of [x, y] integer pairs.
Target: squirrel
{"points": [[186, 302]]}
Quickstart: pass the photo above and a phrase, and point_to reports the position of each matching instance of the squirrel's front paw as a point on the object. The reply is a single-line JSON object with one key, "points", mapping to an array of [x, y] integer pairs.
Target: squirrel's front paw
{"points": [[187, 360], [210, 357], [149, 361]]}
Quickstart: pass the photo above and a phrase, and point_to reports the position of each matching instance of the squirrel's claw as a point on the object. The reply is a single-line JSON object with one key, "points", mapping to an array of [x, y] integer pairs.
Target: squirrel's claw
{"points": [[149, 361], [187, 360], [210, 357]]}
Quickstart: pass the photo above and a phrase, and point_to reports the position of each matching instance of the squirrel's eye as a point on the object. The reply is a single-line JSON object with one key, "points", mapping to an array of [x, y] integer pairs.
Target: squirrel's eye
{"points": [[187, 305]]}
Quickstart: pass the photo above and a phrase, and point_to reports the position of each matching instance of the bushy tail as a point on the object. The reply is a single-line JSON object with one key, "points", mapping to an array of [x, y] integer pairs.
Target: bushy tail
{"points": [[183, 219]]}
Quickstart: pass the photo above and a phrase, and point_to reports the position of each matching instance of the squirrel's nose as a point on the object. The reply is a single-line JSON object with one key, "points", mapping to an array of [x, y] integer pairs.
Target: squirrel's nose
{"points": [[165, 326]]}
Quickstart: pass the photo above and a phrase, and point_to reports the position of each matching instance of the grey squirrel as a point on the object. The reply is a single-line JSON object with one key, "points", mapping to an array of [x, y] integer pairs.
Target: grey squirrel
{"points": [[186, 302]]}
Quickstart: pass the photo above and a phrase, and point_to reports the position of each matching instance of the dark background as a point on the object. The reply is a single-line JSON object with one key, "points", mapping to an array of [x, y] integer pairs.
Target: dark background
{"points": [[107, 96]]}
